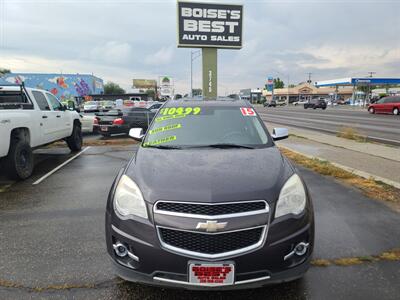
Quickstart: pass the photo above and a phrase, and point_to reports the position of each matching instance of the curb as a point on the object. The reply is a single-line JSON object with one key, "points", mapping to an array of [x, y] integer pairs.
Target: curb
{"points": [[360, 173]]}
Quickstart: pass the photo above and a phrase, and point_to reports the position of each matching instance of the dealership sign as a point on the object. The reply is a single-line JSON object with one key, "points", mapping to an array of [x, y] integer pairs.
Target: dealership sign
{"points": [[209, 25]]}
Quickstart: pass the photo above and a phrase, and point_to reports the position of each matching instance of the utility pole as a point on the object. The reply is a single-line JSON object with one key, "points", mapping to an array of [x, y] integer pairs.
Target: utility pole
{"points": [[288, 92], [193, 55], [309, 77], [368, 96]]}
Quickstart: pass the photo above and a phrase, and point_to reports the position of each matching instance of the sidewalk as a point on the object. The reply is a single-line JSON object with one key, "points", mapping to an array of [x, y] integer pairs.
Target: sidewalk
{"points": [[364, 159]]}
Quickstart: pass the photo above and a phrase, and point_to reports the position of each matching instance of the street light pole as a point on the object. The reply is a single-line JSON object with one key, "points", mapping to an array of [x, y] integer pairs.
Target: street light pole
{"points": [[192, 58]]}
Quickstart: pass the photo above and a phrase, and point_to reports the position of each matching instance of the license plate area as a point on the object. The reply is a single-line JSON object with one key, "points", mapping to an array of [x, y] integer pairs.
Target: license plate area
{"points": [[104, 128], [211, 274]]}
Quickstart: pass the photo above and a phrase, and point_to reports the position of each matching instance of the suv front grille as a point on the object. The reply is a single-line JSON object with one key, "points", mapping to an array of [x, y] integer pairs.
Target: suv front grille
{"points": [[210, 209], [211, 244]]}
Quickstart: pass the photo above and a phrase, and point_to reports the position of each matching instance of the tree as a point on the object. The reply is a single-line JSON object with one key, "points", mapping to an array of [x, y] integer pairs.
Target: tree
{"points": [[113, 88], [278, 83], [151, 94], [4, 71], [197, 92]]}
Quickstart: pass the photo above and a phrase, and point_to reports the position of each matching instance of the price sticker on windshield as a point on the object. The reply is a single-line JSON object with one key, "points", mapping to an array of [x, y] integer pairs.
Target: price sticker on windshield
{"points": [[248, 111]]}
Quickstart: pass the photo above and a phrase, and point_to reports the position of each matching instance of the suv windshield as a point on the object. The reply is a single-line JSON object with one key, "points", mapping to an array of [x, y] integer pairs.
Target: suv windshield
{"points": [[197, 126]]}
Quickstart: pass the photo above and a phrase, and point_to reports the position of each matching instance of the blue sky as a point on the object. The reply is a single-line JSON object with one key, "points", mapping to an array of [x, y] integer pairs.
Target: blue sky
{"points": [[124, 39]]}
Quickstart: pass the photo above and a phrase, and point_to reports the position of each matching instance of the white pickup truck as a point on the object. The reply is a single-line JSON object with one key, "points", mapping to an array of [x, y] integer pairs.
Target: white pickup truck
{"points": [[30, 118]]}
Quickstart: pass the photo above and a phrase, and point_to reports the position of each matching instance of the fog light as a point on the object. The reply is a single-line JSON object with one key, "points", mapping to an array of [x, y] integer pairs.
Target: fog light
{"points": [[300, 249], [120, 250]]}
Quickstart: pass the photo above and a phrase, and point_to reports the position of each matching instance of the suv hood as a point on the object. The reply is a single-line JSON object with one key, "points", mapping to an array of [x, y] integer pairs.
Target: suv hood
{"points": [[209, 175]]}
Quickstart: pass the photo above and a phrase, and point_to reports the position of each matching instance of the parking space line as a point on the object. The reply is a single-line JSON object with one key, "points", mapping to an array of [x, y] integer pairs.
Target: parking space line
{"points": [[59, 167]]}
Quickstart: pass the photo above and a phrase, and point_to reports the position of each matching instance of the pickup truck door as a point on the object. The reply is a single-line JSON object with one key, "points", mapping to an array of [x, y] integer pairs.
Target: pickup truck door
{"points": [[45, 118], [62, 117]]}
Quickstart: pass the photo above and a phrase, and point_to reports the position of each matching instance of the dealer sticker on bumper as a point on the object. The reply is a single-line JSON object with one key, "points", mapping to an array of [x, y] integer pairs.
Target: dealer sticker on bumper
{"points": [[209, 274]]}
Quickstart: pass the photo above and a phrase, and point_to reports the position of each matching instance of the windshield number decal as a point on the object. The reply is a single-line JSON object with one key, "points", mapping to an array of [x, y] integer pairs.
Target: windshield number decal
{"points": [[160, 119], [165, 128], [248, 111], [161, 141], [169, 111]]}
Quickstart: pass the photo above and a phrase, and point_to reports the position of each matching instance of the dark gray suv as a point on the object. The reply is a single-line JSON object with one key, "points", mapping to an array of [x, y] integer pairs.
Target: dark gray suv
{"points": [[209, 202]]}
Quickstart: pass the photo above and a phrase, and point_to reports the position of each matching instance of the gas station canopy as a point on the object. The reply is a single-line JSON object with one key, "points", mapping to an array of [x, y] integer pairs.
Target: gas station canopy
{"points": [[353, 81]]}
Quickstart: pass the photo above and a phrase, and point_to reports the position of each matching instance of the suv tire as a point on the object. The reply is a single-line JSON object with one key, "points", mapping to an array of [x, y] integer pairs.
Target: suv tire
{"points": [[396, 111], [19, 161], [74, 141]]}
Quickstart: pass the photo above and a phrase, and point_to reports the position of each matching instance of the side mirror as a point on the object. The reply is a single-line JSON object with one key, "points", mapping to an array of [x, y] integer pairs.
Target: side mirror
{"points": [[280, 134], [136, 134]]}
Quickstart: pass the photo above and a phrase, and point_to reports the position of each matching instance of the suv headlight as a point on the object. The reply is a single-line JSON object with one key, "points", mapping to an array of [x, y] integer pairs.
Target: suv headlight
{"points": [[128, 199], [292, 198]]}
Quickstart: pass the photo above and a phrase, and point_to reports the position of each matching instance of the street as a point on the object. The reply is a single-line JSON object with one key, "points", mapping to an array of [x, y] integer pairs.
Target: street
{"points": [[53, 245], [381, 128]]}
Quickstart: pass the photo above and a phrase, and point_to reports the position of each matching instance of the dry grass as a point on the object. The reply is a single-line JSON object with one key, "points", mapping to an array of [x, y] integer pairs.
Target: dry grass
{"points": [[98, 142], [351, 134], [350, 261], [321, 262], [390, 255], [110, 142], [370, 187]]}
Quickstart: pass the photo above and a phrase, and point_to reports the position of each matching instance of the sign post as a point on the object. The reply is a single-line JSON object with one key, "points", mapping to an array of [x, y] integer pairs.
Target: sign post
{"points": [[210, 26], [210, 75]]}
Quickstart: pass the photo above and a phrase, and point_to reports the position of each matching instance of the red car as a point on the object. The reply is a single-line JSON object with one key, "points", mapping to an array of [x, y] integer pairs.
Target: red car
{"points": [[386, 105]]}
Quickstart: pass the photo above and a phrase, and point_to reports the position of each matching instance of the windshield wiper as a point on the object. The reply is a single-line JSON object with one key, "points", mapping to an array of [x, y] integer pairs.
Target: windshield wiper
{"points": [[168, 147], [224, 145]]}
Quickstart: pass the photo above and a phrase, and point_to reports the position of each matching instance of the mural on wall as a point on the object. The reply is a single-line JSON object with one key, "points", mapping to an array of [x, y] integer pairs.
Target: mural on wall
{"points": [[63, 86]]}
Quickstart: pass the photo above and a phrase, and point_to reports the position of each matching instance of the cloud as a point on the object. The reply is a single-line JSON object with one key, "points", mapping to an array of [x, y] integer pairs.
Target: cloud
{"points": [[286, 38], [161, 57], [112, 52]]}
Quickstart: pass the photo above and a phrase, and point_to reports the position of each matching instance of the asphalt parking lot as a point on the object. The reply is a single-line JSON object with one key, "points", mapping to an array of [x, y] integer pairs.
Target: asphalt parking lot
{"points": [[53, 246]]}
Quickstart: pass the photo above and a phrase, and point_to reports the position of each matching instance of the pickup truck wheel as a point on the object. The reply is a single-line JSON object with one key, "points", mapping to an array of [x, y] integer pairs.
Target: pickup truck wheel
{"points": [[74, 142], [19, 162]]}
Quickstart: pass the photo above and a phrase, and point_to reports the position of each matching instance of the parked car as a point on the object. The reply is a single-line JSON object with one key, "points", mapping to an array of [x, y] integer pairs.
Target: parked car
{"points": [[121, 121], [91, 106], [386, 105], [281, 102], [154, 106], [31, 118], [88, 123], [209, 202], [316, 103], [300, 102], [271, 103], [107, 105]]}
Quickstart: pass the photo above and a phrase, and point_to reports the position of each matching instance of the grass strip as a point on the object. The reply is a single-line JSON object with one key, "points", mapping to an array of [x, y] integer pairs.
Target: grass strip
{"points": [[370, 187]]}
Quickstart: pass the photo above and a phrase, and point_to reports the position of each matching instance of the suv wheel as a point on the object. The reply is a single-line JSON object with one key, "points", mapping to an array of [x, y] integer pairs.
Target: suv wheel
{"points": [[396, 111], [371, 110], [19, 161], [74, 142]]}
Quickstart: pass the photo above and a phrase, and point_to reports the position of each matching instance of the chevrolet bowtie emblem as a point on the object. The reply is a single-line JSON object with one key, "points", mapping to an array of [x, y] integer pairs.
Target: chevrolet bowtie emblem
{"points": [[211, 226]]}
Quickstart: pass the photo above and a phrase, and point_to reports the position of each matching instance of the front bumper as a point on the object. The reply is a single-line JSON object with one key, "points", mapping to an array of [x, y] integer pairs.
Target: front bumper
{"points": [[159, 267], [163, 281]]}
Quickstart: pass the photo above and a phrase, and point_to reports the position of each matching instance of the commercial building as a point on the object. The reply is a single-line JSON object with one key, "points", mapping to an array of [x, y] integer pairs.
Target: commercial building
{"points": [[64, 86], [307, 91]]}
